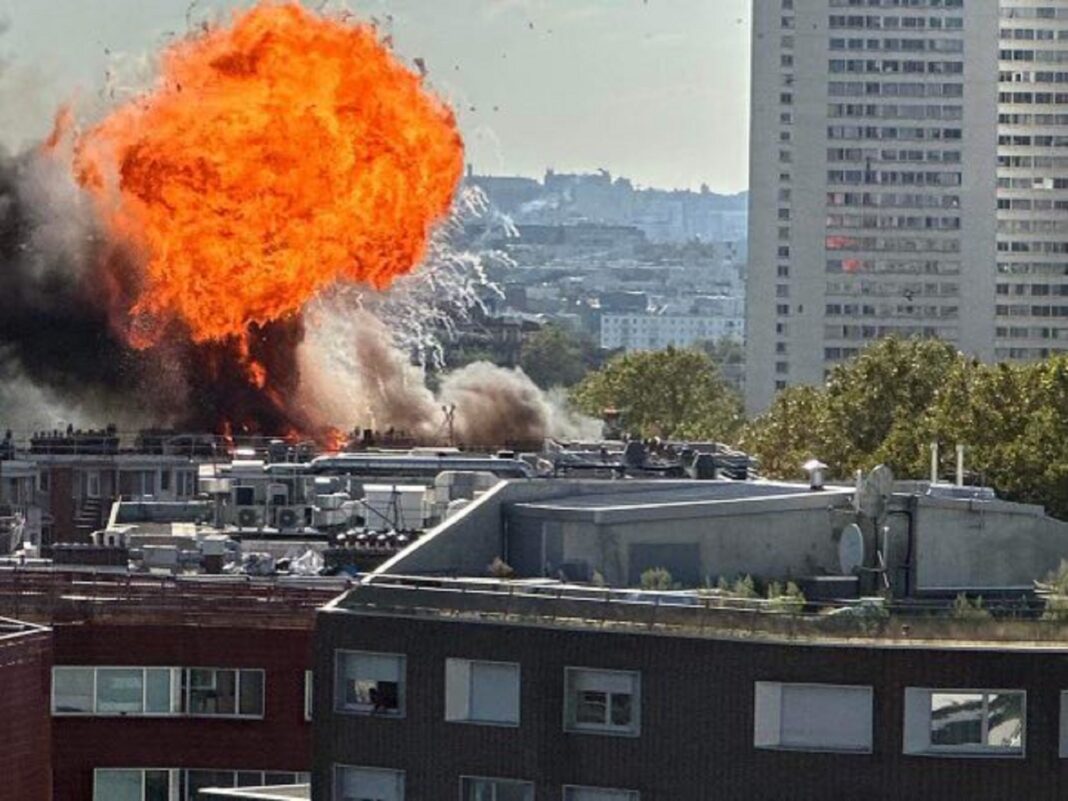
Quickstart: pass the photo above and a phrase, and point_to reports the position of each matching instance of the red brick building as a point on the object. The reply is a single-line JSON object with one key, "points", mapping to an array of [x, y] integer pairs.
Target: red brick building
{"points": [[161, 686], [25, 725]]}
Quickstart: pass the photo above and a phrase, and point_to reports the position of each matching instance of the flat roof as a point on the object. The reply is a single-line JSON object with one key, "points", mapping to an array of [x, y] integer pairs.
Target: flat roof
{"points": [[697, 492]]}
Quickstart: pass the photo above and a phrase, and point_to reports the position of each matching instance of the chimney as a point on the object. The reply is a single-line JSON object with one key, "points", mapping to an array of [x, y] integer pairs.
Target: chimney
{"points": [[815, 469]]}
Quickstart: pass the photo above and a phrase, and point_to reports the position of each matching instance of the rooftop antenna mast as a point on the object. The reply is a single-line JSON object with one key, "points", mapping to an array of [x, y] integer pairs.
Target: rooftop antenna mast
{"points": [[450, 422]]}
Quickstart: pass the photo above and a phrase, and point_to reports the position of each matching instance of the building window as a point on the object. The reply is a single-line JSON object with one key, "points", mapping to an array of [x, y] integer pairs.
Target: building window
{"points": [[482, 692], [309, 694], [965, 722], [223, 691], [370, 683], [812, 717], [367, 784], [605, 701], [132, 785], [474, 788], [72, 690], [121, 690], [140, 691], [599, 794]]}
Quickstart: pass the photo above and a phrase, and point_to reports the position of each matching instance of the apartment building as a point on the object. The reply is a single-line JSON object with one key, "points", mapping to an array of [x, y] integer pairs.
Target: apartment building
{"points": [[436, 690], [873, 182], [1031, 310], [152, 688]]}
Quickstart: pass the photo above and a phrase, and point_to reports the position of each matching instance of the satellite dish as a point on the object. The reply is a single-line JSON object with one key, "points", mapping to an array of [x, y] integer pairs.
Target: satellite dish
{"points": [[875, 492], [851, 549]]}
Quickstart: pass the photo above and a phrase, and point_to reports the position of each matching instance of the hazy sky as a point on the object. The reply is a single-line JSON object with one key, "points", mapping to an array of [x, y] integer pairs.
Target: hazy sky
{"points": [[656, 90]]}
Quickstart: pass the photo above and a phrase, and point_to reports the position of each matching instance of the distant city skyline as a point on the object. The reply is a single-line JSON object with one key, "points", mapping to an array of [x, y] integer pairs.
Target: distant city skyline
{"points": [[652, 90]]}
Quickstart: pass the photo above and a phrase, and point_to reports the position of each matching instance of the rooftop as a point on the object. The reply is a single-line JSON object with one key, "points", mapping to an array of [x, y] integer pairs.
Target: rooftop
{"points": [[14, 629], [49, 594]]}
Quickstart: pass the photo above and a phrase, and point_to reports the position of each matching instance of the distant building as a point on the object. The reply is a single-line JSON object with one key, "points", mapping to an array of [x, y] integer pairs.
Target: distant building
{"points": [[664, 216], [651, 331], [717, 318], [873, 172]]}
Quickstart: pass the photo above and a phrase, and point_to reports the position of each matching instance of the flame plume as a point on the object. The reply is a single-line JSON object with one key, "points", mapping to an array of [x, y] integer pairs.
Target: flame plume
{"points": [[277, 156]]}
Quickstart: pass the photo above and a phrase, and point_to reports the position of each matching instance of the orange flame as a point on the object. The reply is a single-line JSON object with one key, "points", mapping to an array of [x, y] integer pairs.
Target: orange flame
{"points": [[276, 156]]}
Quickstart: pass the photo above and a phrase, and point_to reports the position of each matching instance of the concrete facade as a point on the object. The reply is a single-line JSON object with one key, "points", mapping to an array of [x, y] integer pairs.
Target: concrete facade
{"points": [[924, 541], [872, 182], [1032, 240]]}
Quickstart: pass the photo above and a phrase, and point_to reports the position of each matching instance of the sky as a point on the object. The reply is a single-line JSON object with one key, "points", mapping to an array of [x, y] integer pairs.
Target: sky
{"points": [[654, 90]]}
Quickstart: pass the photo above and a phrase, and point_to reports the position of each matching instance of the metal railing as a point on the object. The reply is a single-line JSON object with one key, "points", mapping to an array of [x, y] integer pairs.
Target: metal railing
{"points": [[50, 594]]}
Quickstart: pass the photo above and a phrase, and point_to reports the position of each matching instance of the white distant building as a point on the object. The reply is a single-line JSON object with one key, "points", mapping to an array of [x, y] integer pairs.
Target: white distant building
{"points": [[874, 177], [715, 318]]}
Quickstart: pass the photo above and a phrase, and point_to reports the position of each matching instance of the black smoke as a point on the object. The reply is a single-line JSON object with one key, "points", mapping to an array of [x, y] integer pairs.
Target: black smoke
{"points": [[65, 292]]}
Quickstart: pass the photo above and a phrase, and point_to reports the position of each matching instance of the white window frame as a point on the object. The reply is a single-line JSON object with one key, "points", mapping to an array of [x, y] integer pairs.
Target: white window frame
{"points": [[341, 708], [916, 732], [180, 688], [464, 715], [632, 795], [571, 724], [340, 767], [468, 778], [767, 723]]}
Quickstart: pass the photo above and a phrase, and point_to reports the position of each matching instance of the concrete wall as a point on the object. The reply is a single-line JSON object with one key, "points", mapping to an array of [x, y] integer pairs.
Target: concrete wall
{"points": [[985, 545], [467, 543], [768, 537]]}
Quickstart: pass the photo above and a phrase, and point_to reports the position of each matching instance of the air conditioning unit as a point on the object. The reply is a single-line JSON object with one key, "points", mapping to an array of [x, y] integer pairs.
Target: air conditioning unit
{"points": [[289, 518], [249, 517]]}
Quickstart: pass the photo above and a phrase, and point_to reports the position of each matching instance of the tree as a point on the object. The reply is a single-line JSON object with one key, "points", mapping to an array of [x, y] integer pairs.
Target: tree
{"points": [[887, 405], [672, 393], [868, 405], [554, 357]]}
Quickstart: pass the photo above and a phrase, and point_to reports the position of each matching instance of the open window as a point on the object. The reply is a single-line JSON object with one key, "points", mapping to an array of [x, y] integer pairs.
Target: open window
{"points": [[369, 683]]}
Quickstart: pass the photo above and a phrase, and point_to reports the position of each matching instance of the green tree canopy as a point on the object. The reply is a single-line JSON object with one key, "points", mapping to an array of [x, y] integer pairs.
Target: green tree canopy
{"points": [[887, 405], [674, 393]]}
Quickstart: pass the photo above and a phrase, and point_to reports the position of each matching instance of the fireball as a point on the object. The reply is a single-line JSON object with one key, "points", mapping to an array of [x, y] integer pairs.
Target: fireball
{"points": [[276, 156]]}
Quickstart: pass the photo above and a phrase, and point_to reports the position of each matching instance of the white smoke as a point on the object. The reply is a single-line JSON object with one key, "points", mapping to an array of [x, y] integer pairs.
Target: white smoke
{"points": [[357, 367]]}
